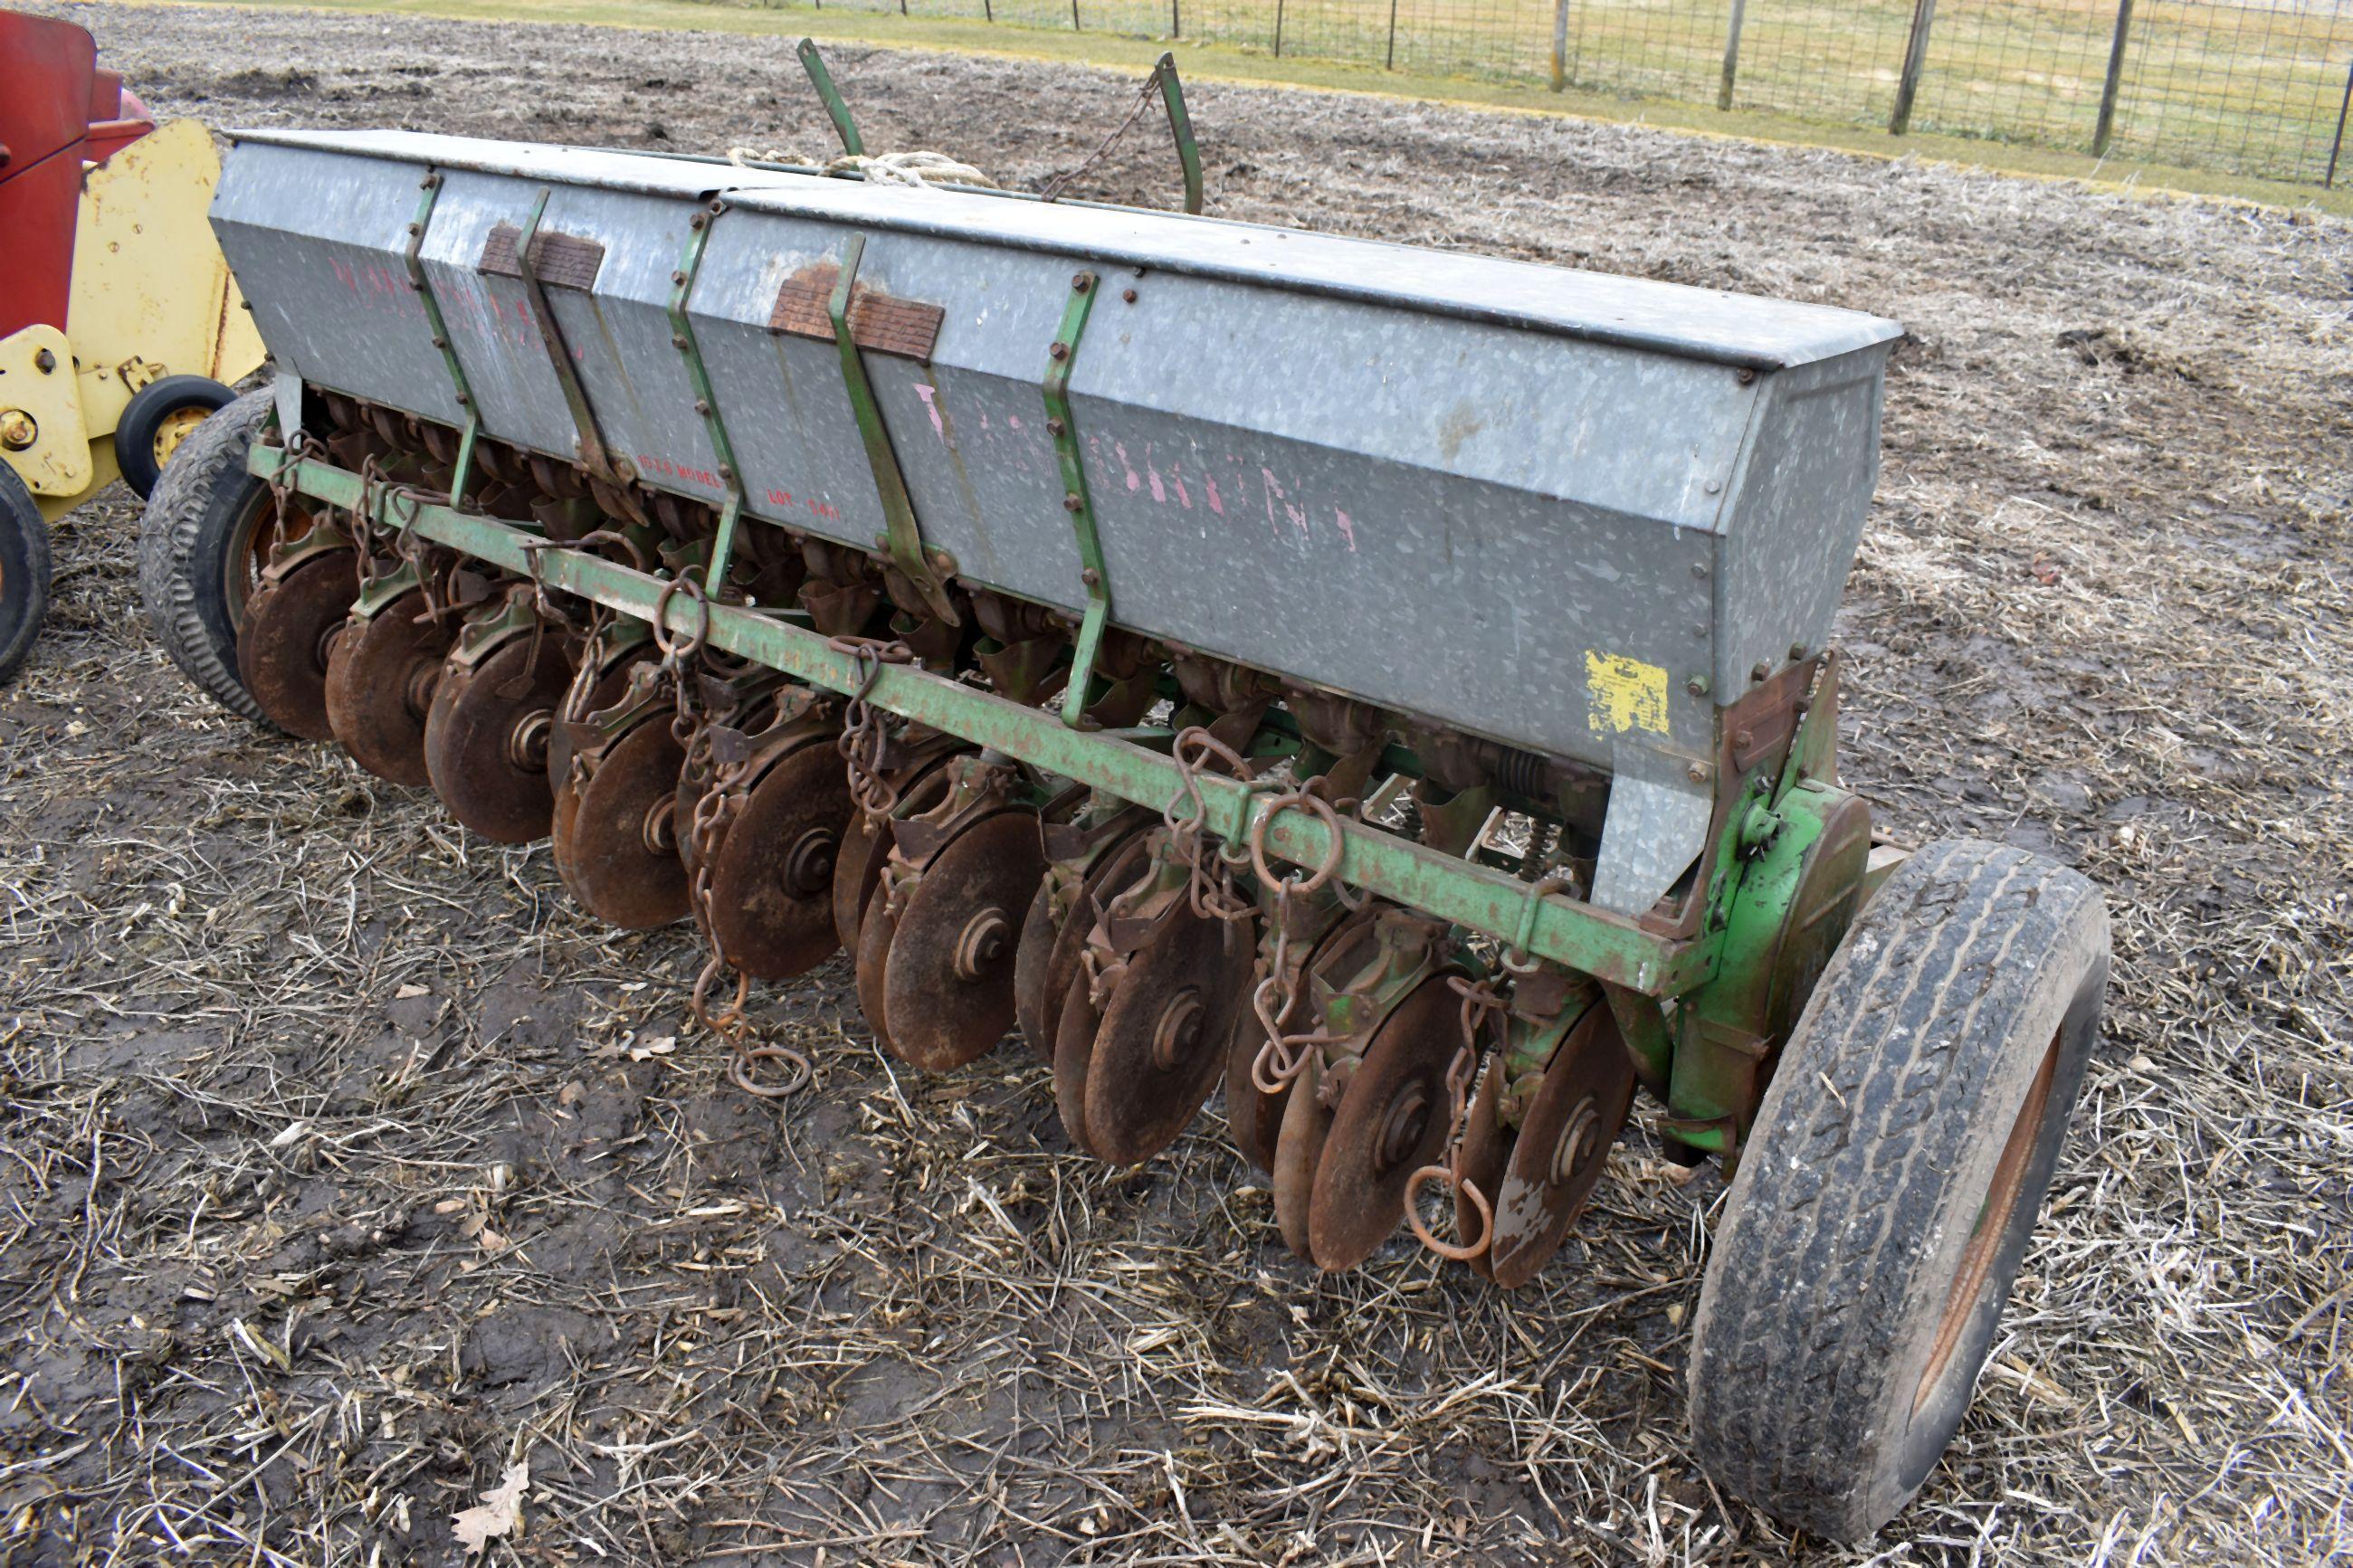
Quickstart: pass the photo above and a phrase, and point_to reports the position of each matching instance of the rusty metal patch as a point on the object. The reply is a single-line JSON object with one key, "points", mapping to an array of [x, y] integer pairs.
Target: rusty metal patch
{"points": [[564, 259], [878, 322]]}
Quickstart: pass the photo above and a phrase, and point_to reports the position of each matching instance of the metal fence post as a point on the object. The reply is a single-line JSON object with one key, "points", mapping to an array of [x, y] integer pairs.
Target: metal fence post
{"points": [[1176, 21], [1278, 29], [1392, 63], [1732, 53], [1074, 18], [2336, 148], [1559, 45], [1915, 55], [2107, 125]]}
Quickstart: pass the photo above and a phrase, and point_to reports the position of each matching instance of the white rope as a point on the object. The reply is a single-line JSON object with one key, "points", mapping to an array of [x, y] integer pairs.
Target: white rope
{"points": [[918, 169]]}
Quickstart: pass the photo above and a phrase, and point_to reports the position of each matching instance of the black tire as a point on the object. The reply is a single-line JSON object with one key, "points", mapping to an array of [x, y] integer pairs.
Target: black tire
{"points": [[24, 572], [1891, 1183], [137, 433], [196, 550]]}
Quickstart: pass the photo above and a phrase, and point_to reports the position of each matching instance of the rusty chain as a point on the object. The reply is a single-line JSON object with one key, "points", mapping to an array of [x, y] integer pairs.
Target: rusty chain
{"points": [[864, 734], [1283, 1056], [1481, 999], [1211, 896]]}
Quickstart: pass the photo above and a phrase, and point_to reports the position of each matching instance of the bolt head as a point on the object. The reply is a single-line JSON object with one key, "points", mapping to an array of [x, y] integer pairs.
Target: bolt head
{"points": [[1091, 577], [44, 361], [1083, 282], [18, 429], [1071, 502], [439, 341], [463, 399], [1059, 352], [1696, 772], [677, 276], [1763, 672], [1797, 653], [702, 406], [416, 228], [1055, 427], [1696, 686], [1128, 295], [697, 221]]}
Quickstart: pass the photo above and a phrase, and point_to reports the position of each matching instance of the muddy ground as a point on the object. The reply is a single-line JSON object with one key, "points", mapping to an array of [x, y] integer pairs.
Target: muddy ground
{"points": [[347, 1163]]}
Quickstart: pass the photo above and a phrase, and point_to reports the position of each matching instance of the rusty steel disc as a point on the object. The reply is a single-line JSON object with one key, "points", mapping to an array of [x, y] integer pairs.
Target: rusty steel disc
{"points": [[948, 985], [620, 855], [873, 955], [1256, 1118], [1562, 1146], [858, 866], [290, 629], [486, 738], [1162, 1042], [1481, 1159], [564, 811], [380, 682], [1391, 1122], [1113, 873], [1030, 999], [601, 696], [1298, 1150], [771, 875], [1075, 1023]]}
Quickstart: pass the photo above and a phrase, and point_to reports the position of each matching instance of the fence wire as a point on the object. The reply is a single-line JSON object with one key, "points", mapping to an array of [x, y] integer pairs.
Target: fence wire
{"points": [[2245, 86]]}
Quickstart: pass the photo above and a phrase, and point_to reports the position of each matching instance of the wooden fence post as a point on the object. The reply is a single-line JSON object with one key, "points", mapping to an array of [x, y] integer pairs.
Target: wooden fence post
{"points": [[1732, 53], [1559, 45], [1176, 21], [1915, 55], [2107, 125], [1074, 18], [1278, 29], [1392, 62]]}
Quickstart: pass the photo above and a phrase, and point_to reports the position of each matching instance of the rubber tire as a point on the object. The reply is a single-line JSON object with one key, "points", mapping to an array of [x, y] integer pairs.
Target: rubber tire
{"points": [[144, 416], [1872, 1151], [24, 572], [187, 537]]}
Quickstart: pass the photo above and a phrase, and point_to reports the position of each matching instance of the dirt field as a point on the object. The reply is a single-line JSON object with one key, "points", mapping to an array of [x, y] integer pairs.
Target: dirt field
{"points": [[347, 1163]]}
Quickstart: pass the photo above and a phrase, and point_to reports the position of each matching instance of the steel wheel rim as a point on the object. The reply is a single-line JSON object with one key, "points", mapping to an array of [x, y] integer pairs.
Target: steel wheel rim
{"points": [[1995, 1213]]}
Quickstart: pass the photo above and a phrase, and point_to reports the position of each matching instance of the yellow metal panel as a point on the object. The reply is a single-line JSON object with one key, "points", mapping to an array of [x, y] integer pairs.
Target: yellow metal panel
{"points": [[103, 471], [41, 431], [151, 290]]}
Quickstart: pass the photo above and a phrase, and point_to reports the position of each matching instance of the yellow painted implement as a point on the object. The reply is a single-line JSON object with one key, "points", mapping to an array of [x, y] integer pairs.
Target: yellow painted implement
{"points": [[119, 326]]}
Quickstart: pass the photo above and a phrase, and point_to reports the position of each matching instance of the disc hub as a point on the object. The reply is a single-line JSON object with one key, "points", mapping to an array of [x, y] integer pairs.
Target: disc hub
{"points": [[660, 831], [1577, 1141], [527, 742], [1409, 1119], [809, 866], [1179, 1033], [982, 945]]}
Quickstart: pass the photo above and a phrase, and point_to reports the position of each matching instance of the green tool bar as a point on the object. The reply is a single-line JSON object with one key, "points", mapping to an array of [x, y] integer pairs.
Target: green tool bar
{"points": [[1562, 930], [422, 287]]}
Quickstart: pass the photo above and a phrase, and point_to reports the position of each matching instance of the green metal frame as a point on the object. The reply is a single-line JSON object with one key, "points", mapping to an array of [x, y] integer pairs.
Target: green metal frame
{"points": [[904, 540], [1180, 126], [1076, 500], [422, 287], [1563, 931], [706, 400], [834, 106], [592, 448]]}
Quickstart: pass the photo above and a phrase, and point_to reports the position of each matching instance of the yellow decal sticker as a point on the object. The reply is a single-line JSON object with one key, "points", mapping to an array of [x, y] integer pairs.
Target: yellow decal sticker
{"points": [[1624, 694]]}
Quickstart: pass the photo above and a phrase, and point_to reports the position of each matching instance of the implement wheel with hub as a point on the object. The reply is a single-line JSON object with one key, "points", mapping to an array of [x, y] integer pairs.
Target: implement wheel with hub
{"points": [[160, 417], [1890, 1184], [23, 570], [202, 542]]}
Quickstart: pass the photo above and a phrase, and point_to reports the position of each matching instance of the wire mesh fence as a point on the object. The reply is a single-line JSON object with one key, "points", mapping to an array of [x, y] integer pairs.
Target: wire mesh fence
{"points": [[2246, 87]]}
